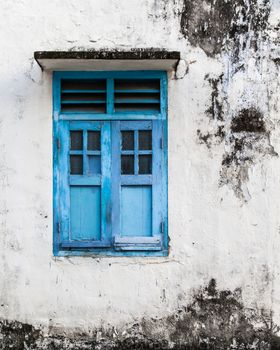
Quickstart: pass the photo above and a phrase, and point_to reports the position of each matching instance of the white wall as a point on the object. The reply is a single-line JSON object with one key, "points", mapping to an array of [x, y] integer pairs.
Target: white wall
{"points": [[223, 224]]}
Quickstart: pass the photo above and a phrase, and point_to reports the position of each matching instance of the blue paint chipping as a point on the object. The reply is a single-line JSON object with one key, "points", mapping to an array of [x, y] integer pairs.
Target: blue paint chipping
{"points": [[110, 198]]}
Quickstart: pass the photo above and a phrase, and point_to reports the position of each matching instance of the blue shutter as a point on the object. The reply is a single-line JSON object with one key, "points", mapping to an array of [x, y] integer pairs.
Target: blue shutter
{"points": [[84, 164], [137, 185]]}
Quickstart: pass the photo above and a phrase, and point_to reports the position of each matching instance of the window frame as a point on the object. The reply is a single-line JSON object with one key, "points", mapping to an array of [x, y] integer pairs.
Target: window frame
{"points": [[60, 118]]}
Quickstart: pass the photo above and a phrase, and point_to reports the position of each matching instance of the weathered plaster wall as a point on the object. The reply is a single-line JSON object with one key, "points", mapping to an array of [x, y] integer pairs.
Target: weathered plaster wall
{"points": [[220, 286]]}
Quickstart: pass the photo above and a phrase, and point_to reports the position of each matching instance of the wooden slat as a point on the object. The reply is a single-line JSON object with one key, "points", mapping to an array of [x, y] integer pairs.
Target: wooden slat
{"points": [[81, 91], [137, 240], [80, 102], [85, 244], [136, 180], [137, 243], [116, 116], [149, 91], [82, 180], [136, 101], [134, 125]]}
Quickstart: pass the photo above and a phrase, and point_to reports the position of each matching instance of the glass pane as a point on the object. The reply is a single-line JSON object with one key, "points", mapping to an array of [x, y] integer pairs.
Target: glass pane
{"points": [[93, 143], [128, 140], [76, 140], [76, 165], [145, 140], [127, 165], [145, 164], [94, 165]]}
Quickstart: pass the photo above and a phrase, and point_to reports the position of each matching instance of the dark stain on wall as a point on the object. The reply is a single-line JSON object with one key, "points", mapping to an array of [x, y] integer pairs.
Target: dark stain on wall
{"points": [[205, 23], [17, 335], [215, 24], [211, 138], [245, 134], [215, 110], [236, 30], [248, 142], [214, 320], [248, 120]]}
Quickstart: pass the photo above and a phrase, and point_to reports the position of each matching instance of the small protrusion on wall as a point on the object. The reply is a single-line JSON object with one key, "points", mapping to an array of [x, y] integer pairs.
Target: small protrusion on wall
{"points": [[182, 69]]}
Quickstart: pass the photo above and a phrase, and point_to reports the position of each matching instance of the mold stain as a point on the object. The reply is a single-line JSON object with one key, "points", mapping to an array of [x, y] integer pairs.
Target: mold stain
{"points": [[205, 23], [244, 134], [248, 120], [248, 143], [236, 32], [18, 336], [213, 320], [215, 111], [214, 25]]}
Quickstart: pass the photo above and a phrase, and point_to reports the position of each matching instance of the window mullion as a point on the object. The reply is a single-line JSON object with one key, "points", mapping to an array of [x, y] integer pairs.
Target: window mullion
{"points": [[136, 161], [110, 96], [85, 160], [116, 177], [106, 173]]}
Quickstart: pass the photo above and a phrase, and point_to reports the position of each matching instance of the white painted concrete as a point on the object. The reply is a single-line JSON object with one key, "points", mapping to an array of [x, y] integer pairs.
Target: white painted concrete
{"points": [[213, 232]]}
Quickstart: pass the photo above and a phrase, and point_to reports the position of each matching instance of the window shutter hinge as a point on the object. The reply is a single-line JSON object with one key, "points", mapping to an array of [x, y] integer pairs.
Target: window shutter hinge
{"points": [[161, 143], [58, 143]]}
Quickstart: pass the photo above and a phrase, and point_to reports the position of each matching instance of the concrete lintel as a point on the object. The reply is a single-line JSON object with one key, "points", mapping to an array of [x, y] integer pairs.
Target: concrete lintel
{"points": [[142, 59]]}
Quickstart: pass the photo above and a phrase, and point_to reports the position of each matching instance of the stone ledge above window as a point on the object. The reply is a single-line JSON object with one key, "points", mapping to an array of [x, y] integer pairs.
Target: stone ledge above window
{"points": [[140, 59]]}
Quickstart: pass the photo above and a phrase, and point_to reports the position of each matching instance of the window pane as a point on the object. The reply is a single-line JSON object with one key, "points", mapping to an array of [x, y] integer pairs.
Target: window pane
{"points": [[127, 165], [94, 165], [76, 165], [76, 140], [93, 143], [145, 140], [128, 140], [145, 164]]}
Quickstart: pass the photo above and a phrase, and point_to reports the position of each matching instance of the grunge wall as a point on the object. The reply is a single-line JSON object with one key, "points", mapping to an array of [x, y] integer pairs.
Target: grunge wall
{"points": [[219, 288]]}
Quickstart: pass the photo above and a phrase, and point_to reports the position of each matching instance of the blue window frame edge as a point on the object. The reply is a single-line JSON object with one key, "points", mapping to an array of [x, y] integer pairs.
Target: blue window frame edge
{"points": [[57, 76]]}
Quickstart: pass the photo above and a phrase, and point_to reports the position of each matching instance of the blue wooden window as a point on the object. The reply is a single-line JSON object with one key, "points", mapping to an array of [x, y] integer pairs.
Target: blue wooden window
{"points": [[110, 163]]}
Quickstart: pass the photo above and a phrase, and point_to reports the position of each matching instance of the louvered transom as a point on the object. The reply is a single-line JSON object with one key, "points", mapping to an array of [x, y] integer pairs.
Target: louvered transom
{"points": [[83, 95], [139, 95], [111, 96]]}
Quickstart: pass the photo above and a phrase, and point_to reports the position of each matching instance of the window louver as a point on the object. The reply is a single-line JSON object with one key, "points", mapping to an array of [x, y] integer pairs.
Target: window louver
{"points": [[129, 96], [87, 96], [137, 96]]}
